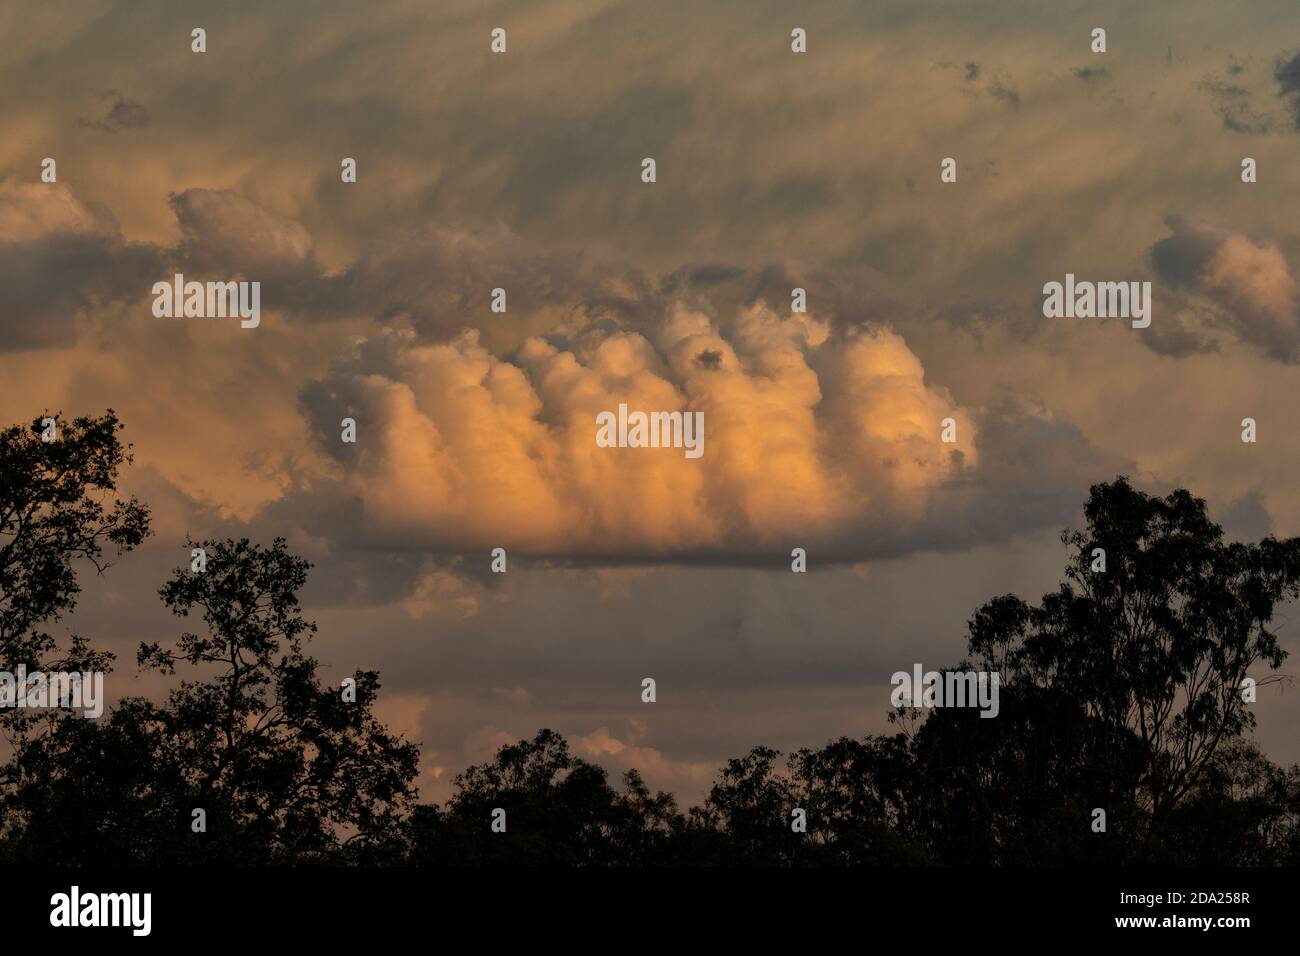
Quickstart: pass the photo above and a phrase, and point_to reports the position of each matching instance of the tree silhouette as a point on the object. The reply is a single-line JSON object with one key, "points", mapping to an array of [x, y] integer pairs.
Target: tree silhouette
{"points": [[746, 818], [1019, 788], [276, 759], [1121, 690], [1243, 810], [1153, 650], [56, 508], [559, 808], [854, 792], [284, 770]]}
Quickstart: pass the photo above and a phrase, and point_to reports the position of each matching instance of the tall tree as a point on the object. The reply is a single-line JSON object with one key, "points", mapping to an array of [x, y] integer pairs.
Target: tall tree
{"points": [[1123, 684], [282, 766], [283, 769], [58, 508]]}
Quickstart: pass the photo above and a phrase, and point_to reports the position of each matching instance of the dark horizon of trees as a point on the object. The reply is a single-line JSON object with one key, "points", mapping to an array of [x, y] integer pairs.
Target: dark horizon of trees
{"points": [[1121, 691]]}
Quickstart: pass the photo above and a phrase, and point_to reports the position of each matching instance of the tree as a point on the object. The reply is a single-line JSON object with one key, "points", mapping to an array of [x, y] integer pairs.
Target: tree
{"points": [[57, 507], [283, 769], [855, 794], [1243, 811], [282, 766], [1119, 689], [746, 818], [849, 791], [560, 810], [1018, 789]]}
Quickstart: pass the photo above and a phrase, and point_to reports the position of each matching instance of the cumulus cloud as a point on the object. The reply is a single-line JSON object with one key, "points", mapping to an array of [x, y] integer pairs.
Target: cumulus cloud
{"points": [[820, 430], [1249, 280], [60, 257], [464, 450]]}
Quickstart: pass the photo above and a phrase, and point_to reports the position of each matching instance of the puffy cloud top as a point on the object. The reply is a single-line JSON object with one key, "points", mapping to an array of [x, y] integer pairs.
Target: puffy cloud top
{"points": [[803, 434]]}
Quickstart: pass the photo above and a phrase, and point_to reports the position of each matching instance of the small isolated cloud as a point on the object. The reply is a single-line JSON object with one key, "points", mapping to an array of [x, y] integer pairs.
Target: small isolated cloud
{"points": [[1241, 112]]}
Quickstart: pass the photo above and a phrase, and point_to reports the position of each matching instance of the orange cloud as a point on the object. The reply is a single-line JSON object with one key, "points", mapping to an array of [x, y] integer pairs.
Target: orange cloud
{"points": [[803, 432]]}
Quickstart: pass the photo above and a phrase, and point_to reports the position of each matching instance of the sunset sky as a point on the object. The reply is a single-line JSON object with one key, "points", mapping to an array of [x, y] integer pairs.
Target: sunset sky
{"points": [[775, 170]]}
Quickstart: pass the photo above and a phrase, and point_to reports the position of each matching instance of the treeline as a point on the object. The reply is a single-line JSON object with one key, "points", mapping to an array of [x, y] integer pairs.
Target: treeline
{"points": [[1128, 691]]}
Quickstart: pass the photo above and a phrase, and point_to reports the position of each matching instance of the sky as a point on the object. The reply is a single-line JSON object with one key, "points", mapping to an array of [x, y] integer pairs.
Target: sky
{"points": [[774, 170]]}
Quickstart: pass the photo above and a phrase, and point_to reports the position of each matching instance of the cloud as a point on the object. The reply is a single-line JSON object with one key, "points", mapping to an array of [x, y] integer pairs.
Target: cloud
{"points": [[1232, 102], [59, 257], [464, 451], [1286, 71], [1001, 91], [1246, 518], [1235, 104], [477, 428], [619, 756], [225, 231], [117, 113], [1091, 74], [30, 212], [522, 173], [820, 428], [1250, 281], [816, 435]]}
